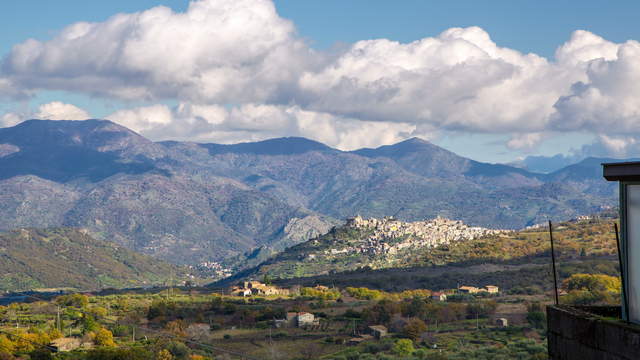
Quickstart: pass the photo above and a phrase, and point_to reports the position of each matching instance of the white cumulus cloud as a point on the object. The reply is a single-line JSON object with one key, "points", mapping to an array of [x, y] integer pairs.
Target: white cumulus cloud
{"points": [[57, 110], [254, 122], [241, 72], [218, 50], [54, 110]]}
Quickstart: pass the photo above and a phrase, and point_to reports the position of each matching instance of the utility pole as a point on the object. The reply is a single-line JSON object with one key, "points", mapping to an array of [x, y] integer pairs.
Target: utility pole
{"points": [[553, 263], [133, 333], [59, 325]]}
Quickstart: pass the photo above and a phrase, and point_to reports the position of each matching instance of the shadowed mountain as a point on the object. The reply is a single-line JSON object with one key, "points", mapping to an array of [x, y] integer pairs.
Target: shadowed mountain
{"points": [[586, 176], [426, 159], [279, 146], [63, 151]]}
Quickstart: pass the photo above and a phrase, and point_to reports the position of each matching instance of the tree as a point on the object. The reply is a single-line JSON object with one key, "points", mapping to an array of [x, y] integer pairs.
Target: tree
{"points": [[592, 283], [55, 334], [164, 354], [416, 308], [77, 300], [178, 350], [266, 279], [414, 329], [104, 337], [177, 327], [589, 289], [536, 316], [6, 345], [89, 324], [98, 311], [403, 347]]}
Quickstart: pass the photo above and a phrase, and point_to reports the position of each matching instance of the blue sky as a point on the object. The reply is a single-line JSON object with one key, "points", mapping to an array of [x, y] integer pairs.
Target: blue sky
{"points": [[529, 26], [330, 27]]}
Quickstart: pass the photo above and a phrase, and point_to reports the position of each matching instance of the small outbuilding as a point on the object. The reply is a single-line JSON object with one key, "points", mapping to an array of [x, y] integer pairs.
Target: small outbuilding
{"points": [[69, 344], [378, 331], [502, 322], [65, 344], [438, 296]]}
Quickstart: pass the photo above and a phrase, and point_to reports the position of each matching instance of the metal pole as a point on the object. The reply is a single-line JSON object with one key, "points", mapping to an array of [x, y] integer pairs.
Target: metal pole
{"points": [[625, 301], [553, 263]]}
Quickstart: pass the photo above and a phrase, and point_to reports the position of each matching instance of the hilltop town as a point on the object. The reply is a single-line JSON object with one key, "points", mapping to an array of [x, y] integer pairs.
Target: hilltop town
{"points": [[372, 243], [389, 235]]}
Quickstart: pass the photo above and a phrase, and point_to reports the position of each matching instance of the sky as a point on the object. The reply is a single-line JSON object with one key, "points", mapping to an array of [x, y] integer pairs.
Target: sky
{"points": [[491, 80]]}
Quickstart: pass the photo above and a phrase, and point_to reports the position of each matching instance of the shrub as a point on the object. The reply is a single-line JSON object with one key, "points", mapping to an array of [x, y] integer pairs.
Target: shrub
{"points": [[104, 337], [414, 328], [403, 347]]}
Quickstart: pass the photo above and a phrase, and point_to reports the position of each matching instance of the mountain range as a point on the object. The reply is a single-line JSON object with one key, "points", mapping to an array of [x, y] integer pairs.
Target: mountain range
{"points": [[188, 202]]}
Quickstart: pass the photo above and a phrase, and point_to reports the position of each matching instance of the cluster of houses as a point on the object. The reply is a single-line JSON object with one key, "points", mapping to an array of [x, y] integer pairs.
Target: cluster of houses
{"points": [[429, 233], [213, 269], [442, 295], [491, 289], [250, 288]]}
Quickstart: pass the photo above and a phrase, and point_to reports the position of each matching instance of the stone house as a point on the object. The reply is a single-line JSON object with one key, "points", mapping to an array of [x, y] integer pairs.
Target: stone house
{"points": [[305, 319], [378, 331], [468, 289], [300, 319], [438, 296], [502, 322], [491, 289], [69, 344]]}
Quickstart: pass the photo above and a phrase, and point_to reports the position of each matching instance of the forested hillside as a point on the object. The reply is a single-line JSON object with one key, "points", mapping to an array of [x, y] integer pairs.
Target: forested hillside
{"points": [[70, 258]]}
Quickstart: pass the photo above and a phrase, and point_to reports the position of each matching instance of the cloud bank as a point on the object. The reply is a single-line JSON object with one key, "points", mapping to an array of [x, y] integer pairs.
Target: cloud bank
{"points": [[241, 72]]}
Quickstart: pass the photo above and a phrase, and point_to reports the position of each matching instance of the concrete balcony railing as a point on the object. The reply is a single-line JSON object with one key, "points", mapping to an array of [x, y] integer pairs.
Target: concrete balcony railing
{"points": [[590, 333]]}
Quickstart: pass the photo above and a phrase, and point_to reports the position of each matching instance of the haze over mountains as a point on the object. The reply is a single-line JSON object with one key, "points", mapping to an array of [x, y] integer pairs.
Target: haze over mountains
{"points": [[188, 202]]}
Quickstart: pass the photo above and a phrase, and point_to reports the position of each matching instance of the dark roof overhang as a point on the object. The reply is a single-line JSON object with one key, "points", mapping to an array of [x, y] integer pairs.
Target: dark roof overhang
{"points": [[622, 171]]}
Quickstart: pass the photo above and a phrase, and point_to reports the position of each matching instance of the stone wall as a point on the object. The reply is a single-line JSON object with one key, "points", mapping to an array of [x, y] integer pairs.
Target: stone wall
{"points": [[589, 333]]}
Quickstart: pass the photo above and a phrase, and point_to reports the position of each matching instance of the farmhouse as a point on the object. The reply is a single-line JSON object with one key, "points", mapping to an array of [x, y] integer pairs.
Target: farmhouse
{"points": [[491, 289], [249, 288], [438, 296], [69, 344], [301, 319], [468, 290]]}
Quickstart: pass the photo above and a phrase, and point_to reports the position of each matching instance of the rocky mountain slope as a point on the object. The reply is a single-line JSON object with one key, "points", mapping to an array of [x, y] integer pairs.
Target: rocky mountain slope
{"points": [[65, 257], [189, 203]]}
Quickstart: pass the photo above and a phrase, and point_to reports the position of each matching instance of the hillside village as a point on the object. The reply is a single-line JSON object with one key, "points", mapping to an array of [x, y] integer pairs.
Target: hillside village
{"points": [[389, 236]]}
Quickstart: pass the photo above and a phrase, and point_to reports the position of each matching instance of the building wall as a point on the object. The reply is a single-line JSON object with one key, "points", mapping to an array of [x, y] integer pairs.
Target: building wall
{"points": [[574, 333]]}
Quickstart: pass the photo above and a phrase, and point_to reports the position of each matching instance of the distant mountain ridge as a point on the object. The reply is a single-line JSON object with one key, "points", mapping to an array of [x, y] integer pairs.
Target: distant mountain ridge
{"points": [[188, 202]]}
